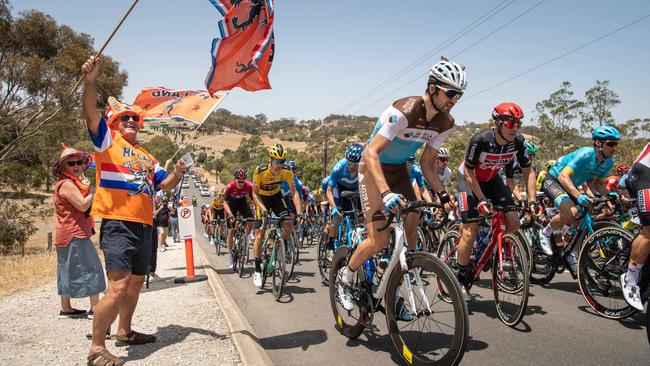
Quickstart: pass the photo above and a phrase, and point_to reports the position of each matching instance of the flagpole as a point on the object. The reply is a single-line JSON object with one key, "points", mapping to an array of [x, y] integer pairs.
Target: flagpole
{"points": [[126, 14], [199, 126]]}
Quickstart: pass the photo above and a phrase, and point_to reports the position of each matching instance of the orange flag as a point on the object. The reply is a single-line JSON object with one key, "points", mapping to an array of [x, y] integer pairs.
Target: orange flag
{"points": [[242, 54], [163, 104]]}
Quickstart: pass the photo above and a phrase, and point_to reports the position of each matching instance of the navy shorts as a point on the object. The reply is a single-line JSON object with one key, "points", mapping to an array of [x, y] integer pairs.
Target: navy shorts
{"points": [[126, 246]]}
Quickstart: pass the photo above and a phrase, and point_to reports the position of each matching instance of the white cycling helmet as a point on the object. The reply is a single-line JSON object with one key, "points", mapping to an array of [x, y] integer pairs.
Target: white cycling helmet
{"points": [[443, 153], [450, 73]]}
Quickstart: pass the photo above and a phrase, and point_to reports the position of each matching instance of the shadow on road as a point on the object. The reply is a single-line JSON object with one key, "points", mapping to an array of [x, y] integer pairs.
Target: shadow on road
{"points": [[571, 287], [167, 336], [302, 339]]}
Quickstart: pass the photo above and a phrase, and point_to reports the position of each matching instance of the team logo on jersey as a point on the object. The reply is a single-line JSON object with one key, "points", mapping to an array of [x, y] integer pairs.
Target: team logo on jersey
{"points": [[408, 105], [495, 161], [644, 200], [392, 119]]}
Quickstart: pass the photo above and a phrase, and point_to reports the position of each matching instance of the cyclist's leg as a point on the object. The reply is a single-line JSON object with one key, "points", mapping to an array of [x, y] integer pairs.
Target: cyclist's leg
{"points": [[501, 195], [468, 228], [561, 200], [638, 185]]}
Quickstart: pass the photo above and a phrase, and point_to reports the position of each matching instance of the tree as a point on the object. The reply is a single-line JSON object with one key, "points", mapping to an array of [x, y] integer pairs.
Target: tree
{"points": [[599, 102], [202, 157], [557, 115]]}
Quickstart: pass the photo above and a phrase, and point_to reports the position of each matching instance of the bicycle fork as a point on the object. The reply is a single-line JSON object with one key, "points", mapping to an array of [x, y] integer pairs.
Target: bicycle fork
{"points": [[400, 238]]}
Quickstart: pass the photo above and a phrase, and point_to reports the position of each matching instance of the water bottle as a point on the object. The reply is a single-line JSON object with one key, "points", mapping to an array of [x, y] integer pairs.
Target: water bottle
{"points": [[369, 270], [482, 240]]}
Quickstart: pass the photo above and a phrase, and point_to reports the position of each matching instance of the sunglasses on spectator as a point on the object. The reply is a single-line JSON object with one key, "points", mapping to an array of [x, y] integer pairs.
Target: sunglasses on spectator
{"points": [[444, 160], [126, 117], [278, 161], [611, 143], [510, 122], [452, 94], [73, 163]]}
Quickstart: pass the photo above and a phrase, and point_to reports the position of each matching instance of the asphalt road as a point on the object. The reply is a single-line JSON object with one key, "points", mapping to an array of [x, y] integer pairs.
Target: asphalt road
{"points": [[559, 327]]}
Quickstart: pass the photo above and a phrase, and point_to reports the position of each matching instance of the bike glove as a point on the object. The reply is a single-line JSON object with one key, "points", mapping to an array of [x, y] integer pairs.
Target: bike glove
{"points": [[392, 200], [583, 200]]}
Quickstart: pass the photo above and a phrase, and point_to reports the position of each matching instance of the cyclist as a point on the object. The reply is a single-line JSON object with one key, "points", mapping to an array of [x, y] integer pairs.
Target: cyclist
{"points": [[384, 183], [343, 177], [267, 196], [236, 194], [479, 183], [638, 186], [531, 152], [541, 176], [217, 212], [443, 169], [284, 186], [417, 180], [586, 165]]}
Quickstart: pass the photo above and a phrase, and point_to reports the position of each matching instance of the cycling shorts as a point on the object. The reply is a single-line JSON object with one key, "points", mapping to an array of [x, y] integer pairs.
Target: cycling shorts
{"points": [[638, 184], [555, 192], [240, 207], [218, 214], [372, 204], [274, 204], [495, 190]]}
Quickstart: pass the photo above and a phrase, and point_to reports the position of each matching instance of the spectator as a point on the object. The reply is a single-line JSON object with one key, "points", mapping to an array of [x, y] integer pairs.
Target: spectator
{"points": [[161, 220], [79, 270], [127, 178], [173, 222]]}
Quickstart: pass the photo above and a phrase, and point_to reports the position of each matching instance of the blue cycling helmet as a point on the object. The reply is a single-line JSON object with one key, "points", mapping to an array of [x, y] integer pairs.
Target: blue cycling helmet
{"points": [[291, 165], [353, 152], [411, 159], [606, 133]]}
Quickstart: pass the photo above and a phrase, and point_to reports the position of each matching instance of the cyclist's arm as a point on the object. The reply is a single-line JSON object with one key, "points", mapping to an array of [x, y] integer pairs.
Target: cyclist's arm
{"points": [[226, 207], [598, 185], [512, 185], [371, 160], [417, 190], [472, 182], [296, 199], [257, 200], [329, 195], [530, 181], [565, 180], [430, 168]]}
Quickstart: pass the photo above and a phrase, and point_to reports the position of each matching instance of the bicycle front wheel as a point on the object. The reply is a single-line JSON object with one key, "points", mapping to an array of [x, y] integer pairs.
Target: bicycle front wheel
{"points": [[438, 331], [278, 268], [325, 254], [510, 280], [603, 259]]}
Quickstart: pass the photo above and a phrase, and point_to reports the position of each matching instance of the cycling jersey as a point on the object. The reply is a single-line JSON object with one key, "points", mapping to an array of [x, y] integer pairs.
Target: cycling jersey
{"points": [[405, 124], [540, 179], [231, 192], [487, 157], [284, 186], [444, 176], [644, 156], [582, 165], [268, 183], [341, 176], [415, 175], [324, 183], [217, 204]]}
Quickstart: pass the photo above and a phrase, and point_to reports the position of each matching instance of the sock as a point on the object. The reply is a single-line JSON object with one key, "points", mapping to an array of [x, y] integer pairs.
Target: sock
{"points": [[258, 265], [547, 231], [633, 270], [347, 274]]}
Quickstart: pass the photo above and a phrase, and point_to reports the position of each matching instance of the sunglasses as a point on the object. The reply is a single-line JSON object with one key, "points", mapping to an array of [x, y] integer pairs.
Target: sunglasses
{"points": [[452, 94], [444, 160], [532, 156], [73, 163], [126, 117], [239, 181], [510, 122], [354, 165], [610, 143], [278, 161]]}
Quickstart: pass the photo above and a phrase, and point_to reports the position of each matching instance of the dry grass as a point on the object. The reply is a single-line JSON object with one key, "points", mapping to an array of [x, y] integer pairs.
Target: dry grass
{"points": [[22, 273]]}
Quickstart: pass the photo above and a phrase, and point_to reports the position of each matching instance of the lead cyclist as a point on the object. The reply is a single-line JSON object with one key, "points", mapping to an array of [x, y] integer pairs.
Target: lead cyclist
{"points": [[384, 183]]}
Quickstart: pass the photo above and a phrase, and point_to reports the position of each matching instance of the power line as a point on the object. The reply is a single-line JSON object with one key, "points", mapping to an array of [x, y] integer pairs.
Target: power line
{"points": [[560, 56], [419, 77], [426, 56]]}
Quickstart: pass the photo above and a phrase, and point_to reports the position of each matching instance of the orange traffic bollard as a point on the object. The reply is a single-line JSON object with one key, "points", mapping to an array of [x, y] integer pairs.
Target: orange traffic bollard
{"points": [[189, 258]]}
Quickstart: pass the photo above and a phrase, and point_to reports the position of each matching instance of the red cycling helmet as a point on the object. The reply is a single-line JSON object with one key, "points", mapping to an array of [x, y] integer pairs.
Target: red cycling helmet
{"points": [[240, 174], [507, 111], [622, 169]]}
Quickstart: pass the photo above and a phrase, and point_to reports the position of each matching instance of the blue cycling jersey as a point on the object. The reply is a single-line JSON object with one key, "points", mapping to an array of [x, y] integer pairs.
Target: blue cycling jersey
{"points": [[405, 124], [324, 183], [584, 166], [284, 187], [415, 174], [341, 176]]}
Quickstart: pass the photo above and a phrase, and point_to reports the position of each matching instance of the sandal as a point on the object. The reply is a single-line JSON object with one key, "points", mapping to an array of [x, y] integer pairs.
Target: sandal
{"points": [[104, 358], [134, 338]]}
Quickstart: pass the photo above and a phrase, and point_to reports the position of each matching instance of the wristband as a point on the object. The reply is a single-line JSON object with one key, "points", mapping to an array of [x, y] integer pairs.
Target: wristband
{"points": [[385, 193]]}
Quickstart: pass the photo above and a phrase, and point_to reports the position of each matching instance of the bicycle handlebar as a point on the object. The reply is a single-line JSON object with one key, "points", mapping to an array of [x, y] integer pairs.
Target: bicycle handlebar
{"points": [[411, 207]]}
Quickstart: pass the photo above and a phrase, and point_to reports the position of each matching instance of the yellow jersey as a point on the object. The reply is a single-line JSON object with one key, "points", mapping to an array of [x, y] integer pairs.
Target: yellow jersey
{"points": [[268, 183], [540, 179], [217, 203]]}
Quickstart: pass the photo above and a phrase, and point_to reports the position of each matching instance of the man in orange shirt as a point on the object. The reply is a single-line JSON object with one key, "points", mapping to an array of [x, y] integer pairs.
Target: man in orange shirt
{"points": [[127, 177]]}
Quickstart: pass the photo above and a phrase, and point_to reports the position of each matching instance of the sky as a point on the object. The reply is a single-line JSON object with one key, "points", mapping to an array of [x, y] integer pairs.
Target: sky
{"points": [[329, 53]]}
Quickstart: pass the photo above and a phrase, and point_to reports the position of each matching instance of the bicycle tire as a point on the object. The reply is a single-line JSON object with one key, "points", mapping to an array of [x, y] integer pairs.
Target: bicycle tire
{"points": [[427, 262], [448, 258], [597, 274], [218, 239], [349, 330], [278, 269], [516, 259], [323, 262], [290, 256], [243, 253], [523, 239]]}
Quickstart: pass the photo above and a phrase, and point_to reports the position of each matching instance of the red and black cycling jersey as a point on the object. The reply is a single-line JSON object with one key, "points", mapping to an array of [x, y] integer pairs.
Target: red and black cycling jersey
{"points": [[231, 192], [487, 157]]}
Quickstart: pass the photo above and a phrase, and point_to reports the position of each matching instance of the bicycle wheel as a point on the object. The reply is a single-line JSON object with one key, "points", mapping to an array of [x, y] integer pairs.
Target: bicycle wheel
{"points": [[290, 256], [524, 239], [439, 331], [217, 238], [349, 323], [449, 257], [603, 259], [325, 255], [243, 254], [278, 268], [510, 280], [543, 266]]}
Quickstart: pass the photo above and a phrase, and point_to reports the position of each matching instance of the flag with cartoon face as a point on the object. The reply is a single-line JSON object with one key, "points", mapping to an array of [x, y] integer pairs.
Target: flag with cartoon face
{"points": [[164, 104], [242, 52]]}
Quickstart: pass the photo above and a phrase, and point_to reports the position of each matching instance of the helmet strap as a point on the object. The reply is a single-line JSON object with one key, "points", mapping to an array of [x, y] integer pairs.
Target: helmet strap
{"points": [[432, 95], [499, 132]]}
